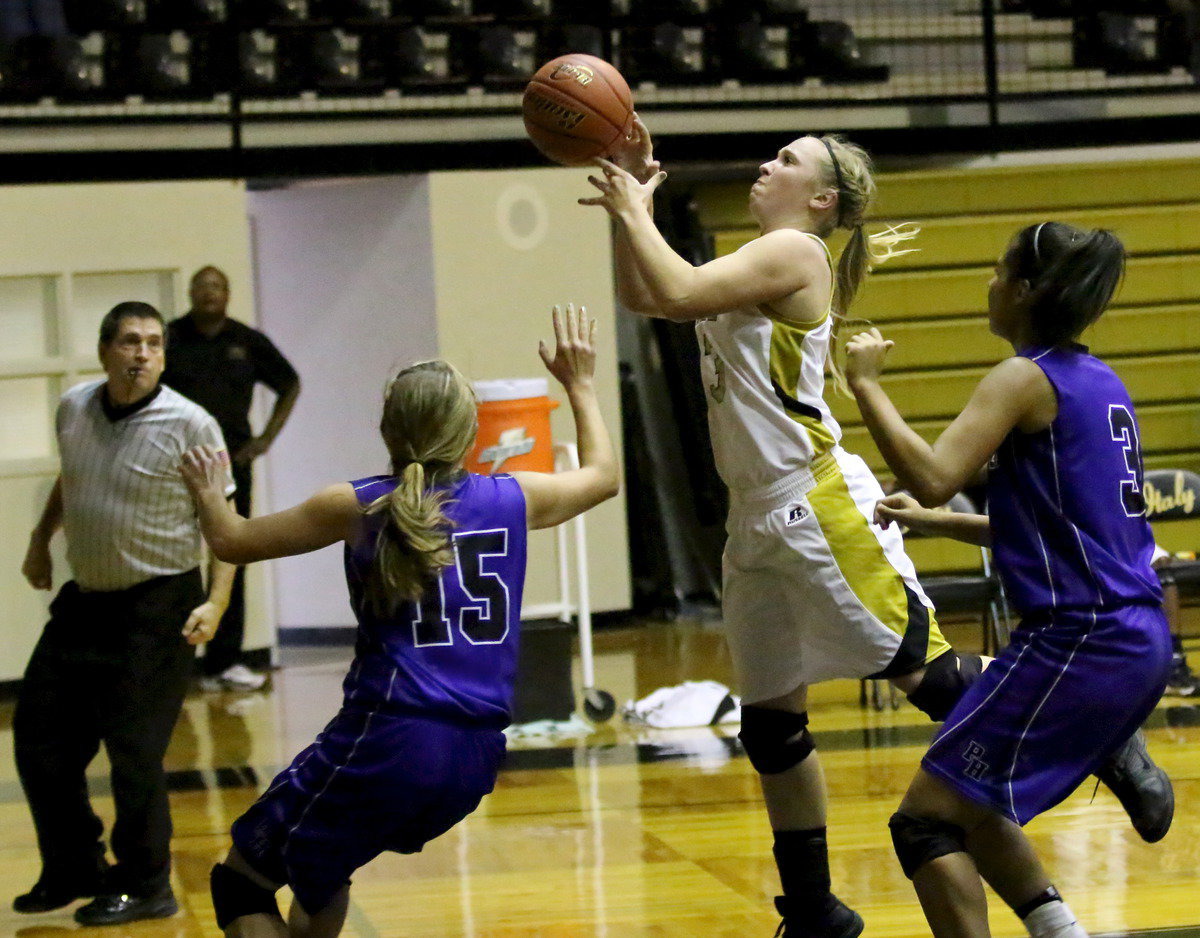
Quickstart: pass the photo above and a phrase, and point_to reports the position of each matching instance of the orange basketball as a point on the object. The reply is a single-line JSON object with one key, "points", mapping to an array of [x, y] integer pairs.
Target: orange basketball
{"points": [[576, 107]]}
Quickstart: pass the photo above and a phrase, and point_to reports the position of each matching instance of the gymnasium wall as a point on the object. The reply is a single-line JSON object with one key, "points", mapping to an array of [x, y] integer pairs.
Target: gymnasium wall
{"points": [[933, 303], [71, 253]]}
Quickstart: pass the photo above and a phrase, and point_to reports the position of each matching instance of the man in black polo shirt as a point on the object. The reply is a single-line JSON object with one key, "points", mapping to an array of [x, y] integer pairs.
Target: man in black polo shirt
{"points": [[216, 361]]}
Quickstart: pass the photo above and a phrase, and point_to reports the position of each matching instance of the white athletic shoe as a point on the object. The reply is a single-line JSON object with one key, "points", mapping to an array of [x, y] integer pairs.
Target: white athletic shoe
{"points": [[235, 677]]}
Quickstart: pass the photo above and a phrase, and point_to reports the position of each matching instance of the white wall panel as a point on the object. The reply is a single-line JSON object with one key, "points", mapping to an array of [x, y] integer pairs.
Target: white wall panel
{"points": [[345, 285]]}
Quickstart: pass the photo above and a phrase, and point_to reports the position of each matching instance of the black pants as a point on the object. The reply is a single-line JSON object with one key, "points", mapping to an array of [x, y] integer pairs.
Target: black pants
{"points": [[109, 668], [225, 649]]}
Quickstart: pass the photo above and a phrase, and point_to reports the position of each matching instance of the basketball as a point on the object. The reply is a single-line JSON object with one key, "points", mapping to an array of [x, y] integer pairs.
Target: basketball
{"points": [[576, 107]]}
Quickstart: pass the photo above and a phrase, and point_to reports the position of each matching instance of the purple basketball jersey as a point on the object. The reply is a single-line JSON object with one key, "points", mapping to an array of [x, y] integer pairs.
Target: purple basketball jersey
{"points": [[1068, 519], [452, 654]]}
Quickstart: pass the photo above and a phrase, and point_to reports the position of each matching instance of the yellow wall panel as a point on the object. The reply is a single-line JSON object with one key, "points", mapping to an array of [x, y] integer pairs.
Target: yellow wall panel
{"points": [[940, 555], [979, 240], [1189, 460], [965, 340], [891, 295], [1181, 535], [1035, 189], [957, 342], [941, 393], [1146, 329]]}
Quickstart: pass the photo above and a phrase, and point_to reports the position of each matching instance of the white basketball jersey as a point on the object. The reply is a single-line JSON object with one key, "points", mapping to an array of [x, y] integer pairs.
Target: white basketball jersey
{"points": [[764, 379]]}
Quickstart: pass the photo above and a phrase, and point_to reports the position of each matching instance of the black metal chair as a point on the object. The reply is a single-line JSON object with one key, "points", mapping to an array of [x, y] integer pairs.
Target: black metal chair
{"points": [[502, 56], [667, 53], [421, 59], [830, 49], [953, 593], [68, 68], [753, 51]]}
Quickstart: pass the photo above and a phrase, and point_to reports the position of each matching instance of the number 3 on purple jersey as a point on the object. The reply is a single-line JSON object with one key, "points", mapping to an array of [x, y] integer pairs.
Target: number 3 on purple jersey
{"points": [[483, 616], [1124, 431]]}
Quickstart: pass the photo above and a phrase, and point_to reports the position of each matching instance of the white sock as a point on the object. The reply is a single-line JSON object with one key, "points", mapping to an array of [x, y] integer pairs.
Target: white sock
{"points": [[1053, 920]]}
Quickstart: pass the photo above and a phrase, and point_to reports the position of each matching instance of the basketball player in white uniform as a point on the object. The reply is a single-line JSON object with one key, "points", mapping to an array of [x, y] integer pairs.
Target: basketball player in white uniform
{"points": [[812, 589]]}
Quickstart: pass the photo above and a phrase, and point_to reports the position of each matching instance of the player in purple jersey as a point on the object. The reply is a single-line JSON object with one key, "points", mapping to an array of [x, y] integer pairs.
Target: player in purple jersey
{"points": [[1055, 428], [435, 563]]}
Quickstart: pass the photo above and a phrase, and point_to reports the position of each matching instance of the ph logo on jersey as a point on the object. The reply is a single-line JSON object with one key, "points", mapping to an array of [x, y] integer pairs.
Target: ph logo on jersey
{"points": [[512, 442], [796, 514], [976, 768]]}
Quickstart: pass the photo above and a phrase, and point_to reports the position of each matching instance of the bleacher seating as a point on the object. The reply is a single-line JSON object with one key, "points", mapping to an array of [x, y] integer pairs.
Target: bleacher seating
{"points": [[803, 49]]}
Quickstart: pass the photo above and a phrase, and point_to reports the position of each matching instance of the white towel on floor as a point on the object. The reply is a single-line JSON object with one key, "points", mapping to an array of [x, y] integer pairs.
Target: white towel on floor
{"points": [[692, 703]]}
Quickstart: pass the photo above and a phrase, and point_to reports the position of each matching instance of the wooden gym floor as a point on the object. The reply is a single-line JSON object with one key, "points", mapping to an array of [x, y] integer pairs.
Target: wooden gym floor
{"points": [[621, 832]]}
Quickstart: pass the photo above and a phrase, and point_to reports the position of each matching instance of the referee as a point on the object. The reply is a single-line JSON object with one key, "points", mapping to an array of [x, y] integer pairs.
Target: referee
{"points": [[113, 663]]}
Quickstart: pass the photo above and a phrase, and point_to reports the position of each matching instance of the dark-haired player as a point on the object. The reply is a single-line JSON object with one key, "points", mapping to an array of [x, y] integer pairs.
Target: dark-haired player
{"points": [[1089, 661]]}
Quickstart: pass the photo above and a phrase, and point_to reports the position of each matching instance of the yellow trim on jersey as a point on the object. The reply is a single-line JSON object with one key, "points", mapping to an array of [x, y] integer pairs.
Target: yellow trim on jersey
{"points": [[864, 565], [786, 360]]}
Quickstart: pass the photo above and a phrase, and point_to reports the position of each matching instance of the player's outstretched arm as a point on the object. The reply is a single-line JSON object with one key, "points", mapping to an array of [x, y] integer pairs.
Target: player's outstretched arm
{"points": [[904, 510], [1016, 393], [635, 155], [766, 270], [553, 499], [325, 518]]}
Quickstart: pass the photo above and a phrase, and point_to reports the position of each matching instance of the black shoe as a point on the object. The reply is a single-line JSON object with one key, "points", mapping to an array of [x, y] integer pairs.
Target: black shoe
{"points": [[46, 896], [838, 921], [1143, 789], [54, 890], [118, 908]]}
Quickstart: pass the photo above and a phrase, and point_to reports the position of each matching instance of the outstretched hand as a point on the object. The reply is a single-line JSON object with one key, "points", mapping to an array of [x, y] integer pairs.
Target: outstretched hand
{"points": [[865, 354], [634, 153], [204, 469], [574, 360], [620, 191]]}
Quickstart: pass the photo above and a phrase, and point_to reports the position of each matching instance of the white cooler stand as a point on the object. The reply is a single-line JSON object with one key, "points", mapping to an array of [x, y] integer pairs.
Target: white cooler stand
{"points": [[598, 705]]}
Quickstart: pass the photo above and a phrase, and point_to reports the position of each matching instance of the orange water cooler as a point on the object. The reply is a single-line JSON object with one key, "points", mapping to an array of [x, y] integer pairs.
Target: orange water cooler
{"points": [[514, 427]]}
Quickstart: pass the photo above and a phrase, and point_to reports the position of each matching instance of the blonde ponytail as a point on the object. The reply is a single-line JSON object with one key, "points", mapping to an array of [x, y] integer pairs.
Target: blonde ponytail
{"points": [[414, 544], [429, 424], [851, 172]]}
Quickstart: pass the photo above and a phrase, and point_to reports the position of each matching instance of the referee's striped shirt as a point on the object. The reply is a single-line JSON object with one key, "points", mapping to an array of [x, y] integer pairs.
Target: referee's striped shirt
{"points": [[127, 514]]}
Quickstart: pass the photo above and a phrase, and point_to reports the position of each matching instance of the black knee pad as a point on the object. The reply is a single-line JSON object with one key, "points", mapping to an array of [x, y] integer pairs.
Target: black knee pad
{"points": [[946, 679], [775, 740], [918, 840], [235, 895]]}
